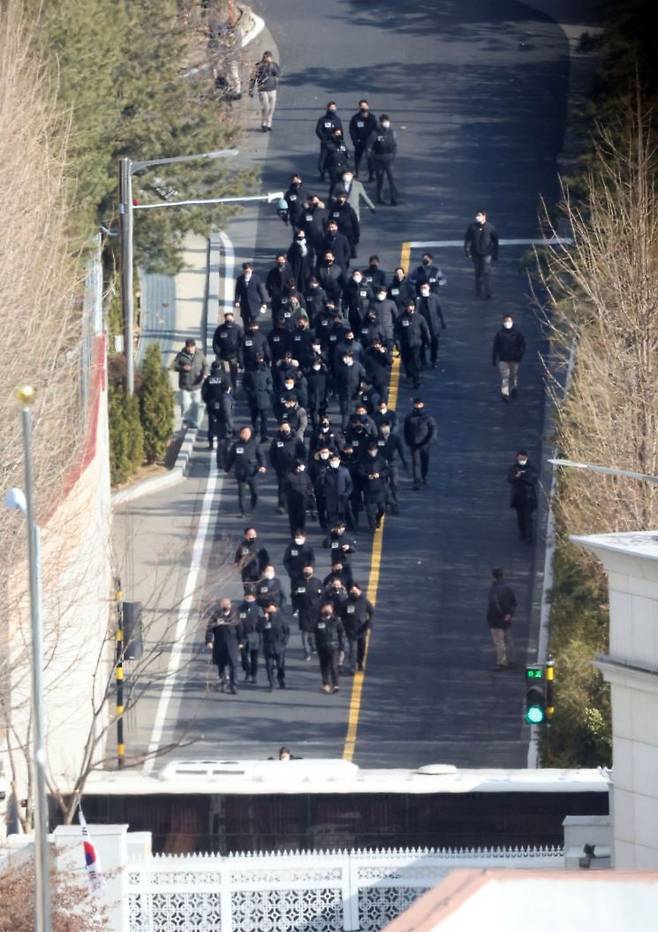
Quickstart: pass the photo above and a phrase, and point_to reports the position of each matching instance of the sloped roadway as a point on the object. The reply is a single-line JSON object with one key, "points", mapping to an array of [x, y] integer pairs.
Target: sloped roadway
{"points": [[477, 92]]}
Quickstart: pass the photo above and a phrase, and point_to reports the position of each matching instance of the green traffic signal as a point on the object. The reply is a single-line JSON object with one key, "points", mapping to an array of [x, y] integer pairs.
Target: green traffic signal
{"points": [[535, 715]]}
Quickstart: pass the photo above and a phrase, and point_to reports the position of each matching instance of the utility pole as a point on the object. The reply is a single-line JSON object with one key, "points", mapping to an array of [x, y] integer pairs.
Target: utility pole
{"points": [[126, 237]]}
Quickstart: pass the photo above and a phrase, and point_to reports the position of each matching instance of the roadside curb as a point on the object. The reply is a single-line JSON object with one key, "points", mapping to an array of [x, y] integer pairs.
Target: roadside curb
{"points": [[257, 26], [158, 483]]}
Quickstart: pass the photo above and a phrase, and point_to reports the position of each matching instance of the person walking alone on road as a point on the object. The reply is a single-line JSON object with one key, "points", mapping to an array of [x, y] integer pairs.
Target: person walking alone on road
{"points": [[419, 430], [523, 479], [429, 307], [508, 350], [500, 611], [382, 148], [245, 458], [330, 643], [481, 246], [224, 637], [264, 82], [190, 364]]}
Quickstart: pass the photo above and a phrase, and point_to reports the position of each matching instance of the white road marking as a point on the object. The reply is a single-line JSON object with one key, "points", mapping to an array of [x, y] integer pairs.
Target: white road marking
{"points": [[228, 283], [553, 241]]}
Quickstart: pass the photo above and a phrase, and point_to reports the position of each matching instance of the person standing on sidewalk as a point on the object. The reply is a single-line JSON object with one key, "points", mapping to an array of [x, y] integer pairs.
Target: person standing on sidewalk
{"points": [[508, 350], [500, 611], [191, 366], [523, 479], [264, 82], [481, 245]]}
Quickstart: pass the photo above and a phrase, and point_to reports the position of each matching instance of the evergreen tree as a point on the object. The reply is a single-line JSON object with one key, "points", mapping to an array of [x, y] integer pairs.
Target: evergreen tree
{"points": [[156, 403], [126, 435]]}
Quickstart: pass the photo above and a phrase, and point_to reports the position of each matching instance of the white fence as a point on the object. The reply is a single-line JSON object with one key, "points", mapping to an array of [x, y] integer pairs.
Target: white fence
{"points": [[302, 892]]}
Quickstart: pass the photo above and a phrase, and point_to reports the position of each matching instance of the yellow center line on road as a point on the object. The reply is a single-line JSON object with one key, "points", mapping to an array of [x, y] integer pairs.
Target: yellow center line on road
{"points": [[375, 564]]}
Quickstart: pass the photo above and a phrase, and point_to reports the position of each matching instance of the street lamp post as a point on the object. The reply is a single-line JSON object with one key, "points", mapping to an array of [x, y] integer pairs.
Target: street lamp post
{"points": [[25, 502]]}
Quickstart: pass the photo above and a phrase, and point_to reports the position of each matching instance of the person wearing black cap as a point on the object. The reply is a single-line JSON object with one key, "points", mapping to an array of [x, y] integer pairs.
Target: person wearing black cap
{"points": [[362, 125], [246, 460], [419, 430], [217, 396], [329, 640], [411, 334], [523, 479], [250, 615], [381, 147], [250, 294], [227, 346], [324, 128], [257, 384], [275, 634], [481, 246], [500, 612], [299, 495]]}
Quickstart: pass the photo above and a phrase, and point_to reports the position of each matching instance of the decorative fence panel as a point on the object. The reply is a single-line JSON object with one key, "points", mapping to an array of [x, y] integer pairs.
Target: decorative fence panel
{"points": [[301, 892]]}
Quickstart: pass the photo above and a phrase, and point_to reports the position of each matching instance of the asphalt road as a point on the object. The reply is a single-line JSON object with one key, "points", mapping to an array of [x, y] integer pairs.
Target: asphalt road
{"points": [[477, 92]]}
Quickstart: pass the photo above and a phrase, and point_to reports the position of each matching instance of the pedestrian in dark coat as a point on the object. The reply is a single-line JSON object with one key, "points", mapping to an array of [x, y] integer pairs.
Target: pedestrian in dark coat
{"points": [[382, 147], [299, 496], [522, 476], [378, 363], [257, 384], [245, 460], [401, 290], [500, 612], [337, 490], [254, 343], [250, 294], [481, 246], [306, 599], [390, 446], [317, 378], [428, 273], [337, 244], [374, 477], [275, 634], [250, 558], [411, 334], [298, 554], [301, 259], [419, 431], [277, 279], [357, 615], [324, 130], [295, 197], [330, 641], [315, 298], [224, 636], [251, 616], [314, 221], [339, 158], [362, 125], [285, 451], [428, 306], [227, 344], [217, 396], [332, 278], [508, 350], [347, 220]]}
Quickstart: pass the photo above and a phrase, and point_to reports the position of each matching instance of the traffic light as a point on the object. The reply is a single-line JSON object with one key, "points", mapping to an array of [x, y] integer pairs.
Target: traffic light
{"points": [[539, 680]]}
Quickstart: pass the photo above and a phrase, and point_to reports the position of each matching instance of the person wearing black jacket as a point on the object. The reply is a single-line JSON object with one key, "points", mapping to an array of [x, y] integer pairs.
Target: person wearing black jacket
{"points": [[245, 459], [250, 294], [358, 296], [301, 259], [277, 279], [254, 344], [329, 640], [378, 363], [250, 558], [428, 272], [257, 384], [224, 636], [306, 597], [419, 430], [501, 606], [331, 276], [508, 350], [269, 588], [313, 221], [315, 298], [382, 147], [522, 476], [347, 220], [285, 451], [250, 615], [337, 244], [338, 488], [324, 129], [373, 473], [298, 554], [401, 290], [411, 334], [317, 378], [341, 547], [357, 615], [481, 246], [227, 346], [348, 375], [362, 125], [390, 446], [275, 634], [339, 157], [429, 307], [217, 396], [279, 339], [294, 198], [299, 496]]}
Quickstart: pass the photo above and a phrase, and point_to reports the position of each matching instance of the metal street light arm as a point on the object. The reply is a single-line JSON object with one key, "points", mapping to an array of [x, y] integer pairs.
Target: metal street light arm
{"points": [[140, 165], [605, 470], [271, 196]]}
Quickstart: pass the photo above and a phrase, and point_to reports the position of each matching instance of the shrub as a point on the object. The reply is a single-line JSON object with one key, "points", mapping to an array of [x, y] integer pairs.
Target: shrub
{"points": [[156, 405], [126, 434]]}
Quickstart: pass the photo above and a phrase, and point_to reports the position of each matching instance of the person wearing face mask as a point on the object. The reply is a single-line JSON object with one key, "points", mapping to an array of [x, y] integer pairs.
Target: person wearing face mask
{"points": [[250, 294], [324, 129], [348, 376], [330, 640], [257, 384], [269, 588], [285, 450], [217, 396], [306, 599], [227, 345], [275, 634], [362, 125], [303, 340], [340, 544], [429, 307], [314, 221], [387, 415], [411, 334], [317, 378], [481, 246], [401, 290], [374, 275], [299, 496], [301, 259], [336, 584], [245, 459], [331, 277], [326, 435], [354, 191], [279, 340], [298, 554], [224, 635], [378, 363], [374, 479], [428, 273], [419, 431], [382, 147], [523, 499], [338, 244], [508, 350], [370, 330], [250, 615], [357, 616], [390, 447], [347, 220], [294, 198], [315, 298], [318, 469], [254, 344], [337, 489], [357, 296], [387, 313], [250, 558], [339, 157], [277, 278]]}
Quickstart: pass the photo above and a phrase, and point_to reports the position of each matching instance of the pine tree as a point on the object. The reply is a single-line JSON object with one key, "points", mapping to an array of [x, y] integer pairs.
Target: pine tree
{"points": [[126, 435], [156, 404]]}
